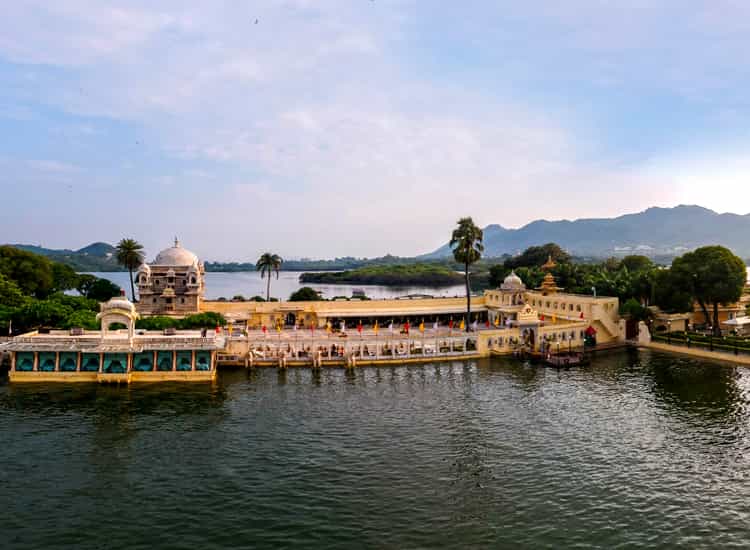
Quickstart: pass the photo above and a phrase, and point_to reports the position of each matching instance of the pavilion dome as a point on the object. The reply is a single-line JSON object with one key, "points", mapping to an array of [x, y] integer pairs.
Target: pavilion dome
{"points": [[120, 303], [513, 282], [176, 256]]}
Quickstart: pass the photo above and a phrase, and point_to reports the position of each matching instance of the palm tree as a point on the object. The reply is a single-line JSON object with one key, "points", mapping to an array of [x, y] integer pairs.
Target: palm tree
{"points": [[267, 264], [130, 255], [467, 247]]}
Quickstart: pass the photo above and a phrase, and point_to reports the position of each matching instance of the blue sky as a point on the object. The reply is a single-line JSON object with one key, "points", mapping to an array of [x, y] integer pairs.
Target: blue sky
{"points": [[350, 127]]}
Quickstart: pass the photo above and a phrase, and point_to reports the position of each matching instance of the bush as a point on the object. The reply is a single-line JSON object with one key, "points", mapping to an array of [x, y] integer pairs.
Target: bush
{"points": [[84, 319], [305, 294], [238, 298], [156, 323], [202, 320]]}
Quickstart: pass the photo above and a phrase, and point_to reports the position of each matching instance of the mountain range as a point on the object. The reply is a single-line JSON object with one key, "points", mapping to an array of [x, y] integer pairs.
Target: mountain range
{"points": [[656, 232], [662, 233]]}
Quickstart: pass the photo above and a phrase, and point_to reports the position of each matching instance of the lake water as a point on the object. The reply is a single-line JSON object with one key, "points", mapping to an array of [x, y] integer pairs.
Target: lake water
{"points": [[640, 450], [249, 283]]}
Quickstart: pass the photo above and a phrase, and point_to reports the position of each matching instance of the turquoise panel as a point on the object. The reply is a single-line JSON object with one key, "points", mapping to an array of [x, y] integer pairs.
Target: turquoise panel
{"points": [[46, 361], [115, 362], [25, 361], [164, 361], [203, 360], [143, 362], [68, 361], [90, 362], [184, 360]]}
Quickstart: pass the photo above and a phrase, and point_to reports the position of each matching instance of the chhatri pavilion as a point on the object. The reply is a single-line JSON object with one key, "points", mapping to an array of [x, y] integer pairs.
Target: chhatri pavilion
{"points": [[173, 284]]}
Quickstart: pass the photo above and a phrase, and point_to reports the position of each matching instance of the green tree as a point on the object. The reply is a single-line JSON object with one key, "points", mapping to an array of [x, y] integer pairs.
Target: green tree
{"points": [[10, 295], [535, 256], [466, 244], [498, 273], [41, 313], [305, 294], [84, 319], [714, 275], [102, 290], [63, 277], [636, 262], [31, 272], [129, 255], [268, 264], [670, 293]]}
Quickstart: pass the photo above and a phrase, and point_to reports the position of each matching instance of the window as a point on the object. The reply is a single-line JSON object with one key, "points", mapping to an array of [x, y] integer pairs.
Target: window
{"points": [[154, 300], [182, 300], [571, 307], [578, 307]]}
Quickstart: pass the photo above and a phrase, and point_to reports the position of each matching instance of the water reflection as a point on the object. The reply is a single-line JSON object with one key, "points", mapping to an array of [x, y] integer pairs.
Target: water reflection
{"points": [[697, 390]]}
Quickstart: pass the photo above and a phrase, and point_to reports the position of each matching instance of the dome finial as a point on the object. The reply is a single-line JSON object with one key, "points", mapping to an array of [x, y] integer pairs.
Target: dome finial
{"points": [[176, 242]]}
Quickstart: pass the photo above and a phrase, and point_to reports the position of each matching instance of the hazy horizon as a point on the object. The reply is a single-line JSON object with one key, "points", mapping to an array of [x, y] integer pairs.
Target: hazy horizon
{"points": [[334, 128]]}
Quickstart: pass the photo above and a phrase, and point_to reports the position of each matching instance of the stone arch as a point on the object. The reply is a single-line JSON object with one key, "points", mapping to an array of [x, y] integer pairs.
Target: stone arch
{"points": [[109, 318]]}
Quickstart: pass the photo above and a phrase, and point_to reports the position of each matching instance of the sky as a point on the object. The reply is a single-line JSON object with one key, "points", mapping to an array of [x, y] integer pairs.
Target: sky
{"points": [[323, 128]]}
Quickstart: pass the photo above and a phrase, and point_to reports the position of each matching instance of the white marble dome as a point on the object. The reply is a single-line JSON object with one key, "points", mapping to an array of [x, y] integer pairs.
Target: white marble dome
{"points": [[513, 282], [175, 256], [118, 303]]}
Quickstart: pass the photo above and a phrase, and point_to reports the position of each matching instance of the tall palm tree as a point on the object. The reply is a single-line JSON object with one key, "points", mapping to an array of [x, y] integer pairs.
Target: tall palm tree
{"points": [[267, 264], [467, 247], [130, 255]]}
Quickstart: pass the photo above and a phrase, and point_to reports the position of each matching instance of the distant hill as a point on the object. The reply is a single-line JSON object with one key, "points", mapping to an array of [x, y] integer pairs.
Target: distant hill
{"points": [[656, 232], [94, 257]]}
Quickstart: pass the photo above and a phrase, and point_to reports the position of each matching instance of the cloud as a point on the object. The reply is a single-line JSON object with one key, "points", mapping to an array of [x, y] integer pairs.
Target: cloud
{"points": [[334, 127]]}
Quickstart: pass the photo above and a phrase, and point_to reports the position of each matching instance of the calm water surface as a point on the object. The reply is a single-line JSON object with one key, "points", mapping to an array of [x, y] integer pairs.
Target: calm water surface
{"points": [[638, 451]]}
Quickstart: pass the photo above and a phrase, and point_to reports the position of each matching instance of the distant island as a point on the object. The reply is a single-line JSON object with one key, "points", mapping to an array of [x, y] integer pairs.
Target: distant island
{"points": [[430, 275]]}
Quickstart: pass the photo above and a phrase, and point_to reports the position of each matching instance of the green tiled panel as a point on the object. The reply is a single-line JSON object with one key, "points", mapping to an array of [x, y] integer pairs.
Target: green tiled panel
{"points": [[46, 361], [184, 360], [203, 360], [115, 362], [143, 361], [90, 362], [25, 361], [68, 361], [164, 361]]}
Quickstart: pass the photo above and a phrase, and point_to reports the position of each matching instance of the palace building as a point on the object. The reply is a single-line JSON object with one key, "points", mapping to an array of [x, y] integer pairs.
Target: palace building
{"points": [[114, 354], [173, 284]]}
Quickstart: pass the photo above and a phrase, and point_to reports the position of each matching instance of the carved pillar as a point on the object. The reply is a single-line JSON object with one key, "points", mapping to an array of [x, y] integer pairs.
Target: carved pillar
{"points": [[153, 368], [174, 361], [79, 358], [36, 361], [193, 360]]}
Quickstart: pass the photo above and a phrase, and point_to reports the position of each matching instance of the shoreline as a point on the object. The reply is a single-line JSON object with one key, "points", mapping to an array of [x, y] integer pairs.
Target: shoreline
{"points": [[719, 356]]}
